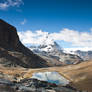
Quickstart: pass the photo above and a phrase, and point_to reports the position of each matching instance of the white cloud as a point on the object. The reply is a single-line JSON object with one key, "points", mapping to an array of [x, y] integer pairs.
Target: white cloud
{"points": [[29, 37], [23, 22], [10, 3], [83, 39], [76, 38]]}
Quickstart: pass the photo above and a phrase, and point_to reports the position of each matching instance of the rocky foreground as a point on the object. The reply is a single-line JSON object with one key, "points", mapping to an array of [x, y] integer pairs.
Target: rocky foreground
{"points": [[33, 85], [79, 76]]}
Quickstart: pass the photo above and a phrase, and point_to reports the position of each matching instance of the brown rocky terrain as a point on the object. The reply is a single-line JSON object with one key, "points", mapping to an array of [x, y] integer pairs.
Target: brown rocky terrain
{"points": [[79, 75]]}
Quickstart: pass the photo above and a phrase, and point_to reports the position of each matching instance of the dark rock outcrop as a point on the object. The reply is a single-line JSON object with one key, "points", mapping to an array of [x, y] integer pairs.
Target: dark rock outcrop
{"points": [[13, 52]]}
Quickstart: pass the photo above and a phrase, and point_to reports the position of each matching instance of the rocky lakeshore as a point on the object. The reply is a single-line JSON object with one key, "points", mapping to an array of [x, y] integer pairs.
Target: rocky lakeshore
{"points": [[33, 85]]}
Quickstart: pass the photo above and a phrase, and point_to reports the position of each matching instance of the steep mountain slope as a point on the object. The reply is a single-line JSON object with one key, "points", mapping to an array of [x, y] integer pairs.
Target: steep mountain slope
{"points": [[13, 52], [53, 53]]}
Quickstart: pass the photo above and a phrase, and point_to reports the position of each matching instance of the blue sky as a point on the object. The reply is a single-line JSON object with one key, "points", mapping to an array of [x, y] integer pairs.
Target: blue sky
{"points": [[49, 16]]}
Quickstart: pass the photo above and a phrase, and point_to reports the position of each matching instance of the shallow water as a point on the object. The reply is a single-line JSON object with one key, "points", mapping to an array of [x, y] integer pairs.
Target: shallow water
{"points": [[53, 77]]}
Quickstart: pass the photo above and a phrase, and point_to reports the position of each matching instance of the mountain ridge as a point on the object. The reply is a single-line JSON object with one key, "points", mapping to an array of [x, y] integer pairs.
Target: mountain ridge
{"points": [[13, 52]]}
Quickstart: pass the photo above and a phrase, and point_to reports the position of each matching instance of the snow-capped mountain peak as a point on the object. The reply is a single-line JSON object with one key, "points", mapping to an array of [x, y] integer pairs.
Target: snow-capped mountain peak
{"points": [[53, 53], [48, 45]]}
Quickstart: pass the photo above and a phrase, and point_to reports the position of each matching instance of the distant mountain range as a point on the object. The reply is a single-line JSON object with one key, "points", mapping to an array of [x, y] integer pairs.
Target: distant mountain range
{"points": [[85, 55], [54, 54]]}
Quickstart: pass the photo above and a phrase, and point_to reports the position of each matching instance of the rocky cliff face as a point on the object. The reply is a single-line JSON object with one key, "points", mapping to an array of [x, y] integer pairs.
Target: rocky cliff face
{"points": [[13, 52], [8, 36]]}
